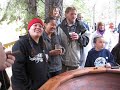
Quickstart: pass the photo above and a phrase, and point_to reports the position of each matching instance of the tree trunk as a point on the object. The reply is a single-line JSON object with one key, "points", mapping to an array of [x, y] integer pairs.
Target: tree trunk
{"points": [[31, 11], [49, 4], [32, 7]]}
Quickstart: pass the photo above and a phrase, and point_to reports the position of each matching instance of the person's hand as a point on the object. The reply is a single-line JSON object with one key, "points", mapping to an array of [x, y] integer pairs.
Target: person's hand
{"points": [[9, 61], [74, 36], [108, 65], [55, 52], [6, 59]]}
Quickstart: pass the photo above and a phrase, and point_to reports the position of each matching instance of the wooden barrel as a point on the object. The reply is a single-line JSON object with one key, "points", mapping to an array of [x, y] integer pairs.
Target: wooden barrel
{"points": [[85, 79]]}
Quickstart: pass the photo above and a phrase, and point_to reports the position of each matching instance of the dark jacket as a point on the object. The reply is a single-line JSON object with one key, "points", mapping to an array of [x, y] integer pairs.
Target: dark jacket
{"points": [[55, 63], [116, 53], [4, 80], [30, 68], [93, 56]]}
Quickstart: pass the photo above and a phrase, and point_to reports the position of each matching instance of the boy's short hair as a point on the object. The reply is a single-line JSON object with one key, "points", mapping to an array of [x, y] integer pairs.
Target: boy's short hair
{"points": [[95, 38]]}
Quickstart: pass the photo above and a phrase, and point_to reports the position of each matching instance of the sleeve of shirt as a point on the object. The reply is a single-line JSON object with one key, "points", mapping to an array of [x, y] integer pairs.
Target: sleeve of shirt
{"points": [[115, 53], [111, 60], [83, 40], [59, 35], [88, 61]]}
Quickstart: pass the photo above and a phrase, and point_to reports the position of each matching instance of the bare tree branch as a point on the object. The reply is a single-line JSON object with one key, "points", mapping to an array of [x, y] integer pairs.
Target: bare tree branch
{"points": [[5, 12]]}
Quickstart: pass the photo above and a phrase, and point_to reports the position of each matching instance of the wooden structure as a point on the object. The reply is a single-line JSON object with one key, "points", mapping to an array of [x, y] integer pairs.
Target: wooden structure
{"points": [[85, 79]]}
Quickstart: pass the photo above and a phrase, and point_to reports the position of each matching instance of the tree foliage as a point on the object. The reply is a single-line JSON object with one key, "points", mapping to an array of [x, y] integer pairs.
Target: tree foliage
{"points": [[118, 4], [21, 9], [14, 10], [27, 9]]}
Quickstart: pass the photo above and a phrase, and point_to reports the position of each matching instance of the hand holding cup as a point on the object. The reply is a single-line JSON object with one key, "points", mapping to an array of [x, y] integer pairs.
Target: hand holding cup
{"points": [[74, 35]]}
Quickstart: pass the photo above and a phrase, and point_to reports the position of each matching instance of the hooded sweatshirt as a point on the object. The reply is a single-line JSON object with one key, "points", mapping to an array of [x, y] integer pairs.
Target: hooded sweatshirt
{"points": [[30, 68]]}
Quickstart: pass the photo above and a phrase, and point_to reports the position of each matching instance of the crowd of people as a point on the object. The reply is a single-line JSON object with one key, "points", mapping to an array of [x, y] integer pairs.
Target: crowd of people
{"points": [[56, 46]]}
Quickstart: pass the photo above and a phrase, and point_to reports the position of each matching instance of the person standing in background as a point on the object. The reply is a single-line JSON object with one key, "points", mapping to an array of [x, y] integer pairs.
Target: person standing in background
{"points": [[101, 31], [80, 18], [55, 12], [111, 27], [73, 39]]}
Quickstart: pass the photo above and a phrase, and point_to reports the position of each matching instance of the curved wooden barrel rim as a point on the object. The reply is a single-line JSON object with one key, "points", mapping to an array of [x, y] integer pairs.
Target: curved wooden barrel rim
{"points": [[56, 81]]}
